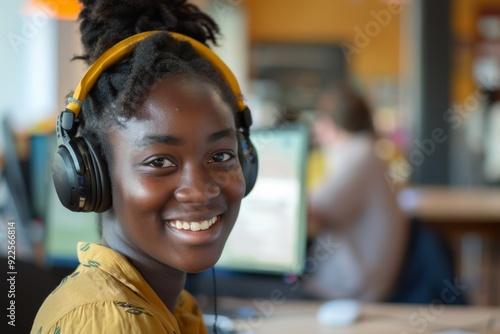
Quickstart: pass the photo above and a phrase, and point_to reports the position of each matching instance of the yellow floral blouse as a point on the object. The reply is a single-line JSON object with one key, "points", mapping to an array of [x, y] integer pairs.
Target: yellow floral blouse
{"points": [[106, 294]]}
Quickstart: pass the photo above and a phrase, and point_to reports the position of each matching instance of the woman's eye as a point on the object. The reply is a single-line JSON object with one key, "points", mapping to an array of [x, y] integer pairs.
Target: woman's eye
{"points": [[161, 163], [222, 157]]}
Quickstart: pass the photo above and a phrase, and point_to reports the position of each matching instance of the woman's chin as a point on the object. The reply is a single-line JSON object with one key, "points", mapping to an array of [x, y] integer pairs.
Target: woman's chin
{"points": [[195, 267]]}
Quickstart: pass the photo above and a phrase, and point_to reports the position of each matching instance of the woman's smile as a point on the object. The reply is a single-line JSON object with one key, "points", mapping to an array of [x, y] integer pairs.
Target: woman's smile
{"points": [[196, 233], [193, 226]]}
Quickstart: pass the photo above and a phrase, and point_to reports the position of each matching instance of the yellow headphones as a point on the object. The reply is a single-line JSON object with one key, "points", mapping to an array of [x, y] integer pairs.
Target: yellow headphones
{"points": [[122, 49], [79, 173]]}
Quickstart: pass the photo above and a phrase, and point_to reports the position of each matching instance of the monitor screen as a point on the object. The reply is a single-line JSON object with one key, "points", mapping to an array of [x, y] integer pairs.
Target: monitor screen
{"points": [[65, 228], [270, 233], [15, 210]]}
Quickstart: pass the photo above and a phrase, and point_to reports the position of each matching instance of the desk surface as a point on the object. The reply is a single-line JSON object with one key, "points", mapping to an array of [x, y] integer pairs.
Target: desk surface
{"points": [[448, 204], [470, 220], [291, 317]]}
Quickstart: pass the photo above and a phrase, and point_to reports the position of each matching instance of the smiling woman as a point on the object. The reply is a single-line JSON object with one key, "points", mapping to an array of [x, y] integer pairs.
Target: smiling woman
{"points": [[175, 176], [161, 149]]}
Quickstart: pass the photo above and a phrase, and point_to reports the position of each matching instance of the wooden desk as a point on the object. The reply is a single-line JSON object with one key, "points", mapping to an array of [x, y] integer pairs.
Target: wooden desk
{"points": [[470, 219], [282, 316], [464, 206]]}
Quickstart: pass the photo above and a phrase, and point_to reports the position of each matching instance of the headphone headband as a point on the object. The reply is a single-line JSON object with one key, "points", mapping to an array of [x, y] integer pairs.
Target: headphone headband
{"points": [[123, 48], [80, 174]]}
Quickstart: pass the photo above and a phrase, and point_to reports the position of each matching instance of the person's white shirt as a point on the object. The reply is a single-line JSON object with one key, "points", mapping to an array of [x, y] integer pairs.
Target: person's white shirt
{"points": [[369, 230]]}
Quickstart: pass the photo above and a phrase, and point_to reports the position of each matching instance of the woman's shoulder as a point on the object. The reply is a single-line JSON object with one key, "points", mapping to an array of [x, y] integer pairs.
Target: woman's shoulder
{"points": [[100, 317], [88, 294], [357, 152], [363, 143]]}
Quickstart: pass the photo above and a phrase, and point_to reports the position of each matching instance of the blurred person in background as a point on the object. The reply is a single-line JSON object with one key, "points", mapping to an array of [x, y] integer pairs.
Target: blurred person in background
{"points": [[353, 204], [379, 255]]}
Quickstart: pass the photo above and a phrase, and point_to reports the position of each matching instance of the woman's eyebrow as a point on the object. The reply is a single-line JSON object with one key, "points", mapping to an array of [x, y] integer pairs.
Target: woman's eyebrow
{"points": [[174, 141], [226, 133], [159, 139]]}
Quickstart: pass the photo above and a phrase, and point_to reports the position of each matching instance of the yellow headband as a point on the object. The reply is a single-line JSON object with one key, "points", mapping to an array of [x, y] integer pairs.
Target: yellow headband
{"points": [[120, 50]]}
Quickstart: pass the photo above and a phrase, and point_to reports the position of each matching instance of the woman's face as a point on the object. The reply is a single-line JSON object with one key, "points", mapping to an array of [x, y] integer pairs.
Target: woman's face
{"points": [[176, 179], [324, 130]]}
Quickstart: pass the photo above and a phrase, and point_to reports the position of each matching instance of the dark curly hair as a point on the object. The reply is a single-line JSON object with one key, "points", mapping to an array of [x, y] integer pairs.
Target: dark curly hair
{"points": [[120, 90]]}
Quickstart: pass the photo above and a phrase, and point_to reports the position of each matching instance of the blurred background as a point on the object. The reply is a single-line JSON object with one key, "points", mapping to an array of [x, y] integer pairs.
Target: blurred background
{"points": [[429, 69]]}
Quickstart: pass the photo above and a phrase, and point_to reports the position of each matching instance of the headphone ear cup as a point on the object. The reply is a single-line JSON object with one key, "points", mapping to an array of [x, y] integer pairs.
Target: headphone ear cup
{"points": [[102, 185], [247, 154], [71, 176], [78, 177], [66, 177]]}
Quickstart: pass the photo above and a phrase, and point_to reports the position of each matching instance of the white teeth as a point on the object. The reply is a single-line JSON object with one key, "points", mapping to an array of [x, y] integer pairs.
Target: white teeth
{"points": [[193, 226], [204, 225]]}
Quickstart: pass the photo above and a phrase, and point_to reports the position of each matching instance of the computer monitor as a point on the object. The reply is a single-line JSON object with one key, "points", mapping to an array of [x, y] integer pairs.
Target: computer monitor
{"points": [[15, 209], [270, 233], [65, 228]]}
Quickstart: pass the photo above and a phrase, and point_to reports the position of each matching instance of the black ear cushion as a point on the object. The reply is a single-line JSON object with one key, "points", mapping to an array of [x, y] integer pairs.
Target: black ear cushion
{"points": [[103, 187], [72, 178], [80, 177], [249, 161], [88, 190], [66, 178]]}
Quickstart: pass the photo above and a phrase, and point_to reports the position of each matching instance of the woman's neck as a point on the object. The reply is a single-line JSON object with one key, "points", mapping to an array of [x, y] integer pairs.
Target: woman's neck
{"points": [[165, 281]]}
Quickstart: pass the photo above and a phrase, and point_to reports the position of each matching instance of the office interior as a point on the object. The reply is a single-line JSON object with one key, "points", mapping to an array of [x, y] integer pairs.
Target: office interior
{"points": [[430, 70]]}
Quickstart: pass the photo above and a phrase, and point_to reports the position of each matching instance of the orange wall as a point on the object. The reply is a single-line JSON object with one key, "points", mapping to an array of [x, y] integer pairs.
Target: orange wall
{"points": [[330, 21], [336, 20]]}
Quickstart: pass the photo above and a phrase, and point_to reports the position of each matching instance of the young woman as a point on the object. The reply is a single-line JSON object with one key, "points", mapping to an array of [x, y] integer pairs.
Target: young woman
{"points": [[167, 131], [354, 205], [382, 256]]}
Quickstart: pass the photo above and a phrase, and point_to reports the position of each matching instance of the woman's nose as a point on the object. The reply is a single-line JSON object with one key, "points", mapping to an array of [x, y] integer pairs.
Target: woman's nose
{"points": [[196, 187]]}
